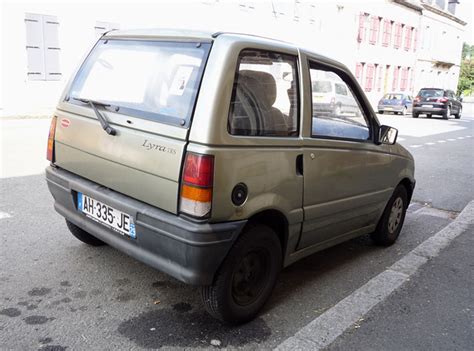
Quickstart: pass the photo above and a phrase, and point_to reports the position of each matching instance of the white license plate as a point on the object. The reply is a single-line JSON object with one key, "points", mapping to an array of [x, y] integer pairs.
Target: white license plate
{"points": [[98, 211], [388, 108], [426, 105]]}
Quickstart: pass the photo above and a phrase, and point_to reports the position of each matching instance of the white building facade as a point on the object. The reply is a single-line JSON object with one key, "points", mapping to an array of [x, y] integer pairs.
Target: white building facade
{"points": [[390, 45]]}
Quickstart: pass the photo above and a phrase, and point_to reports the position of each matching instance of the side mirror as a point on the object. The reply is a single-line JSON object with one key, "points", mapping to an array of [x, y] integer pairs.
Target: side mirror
{"points": [[388, 135]]}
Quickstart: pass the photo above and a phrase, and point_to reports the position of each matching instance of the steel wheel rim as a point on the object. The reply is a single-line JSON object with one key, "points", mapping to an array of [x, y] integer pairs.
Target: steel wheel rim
{"points": [[249, 278], [395, 217]]}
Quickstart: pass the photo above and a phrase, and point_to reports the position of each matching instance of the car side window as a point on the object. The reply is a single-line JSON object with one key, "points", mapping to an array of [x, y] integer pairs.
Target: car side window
{"points": [[335, 116], [341, 89], [265, 95]]}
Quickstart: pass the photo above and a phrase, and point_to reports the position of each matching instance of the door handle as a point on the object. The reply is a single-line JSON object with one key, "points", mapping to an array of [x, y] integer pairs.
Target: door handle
{"points": [[299, 165]]}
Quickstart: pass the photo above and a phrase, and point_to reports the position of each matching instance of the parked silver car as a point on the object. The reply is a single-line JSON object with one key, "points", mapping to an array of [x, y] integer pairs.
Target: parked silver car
{"points": [[398, 103], [202, 155]]}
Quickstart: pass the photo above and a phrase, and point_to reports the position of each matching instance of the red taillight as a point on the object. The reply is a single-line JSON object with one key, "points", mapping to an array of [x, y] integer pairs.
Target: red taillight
{"points": [[443, 100], [198, 170], [196, 188], [52, 132], [417, 99]]}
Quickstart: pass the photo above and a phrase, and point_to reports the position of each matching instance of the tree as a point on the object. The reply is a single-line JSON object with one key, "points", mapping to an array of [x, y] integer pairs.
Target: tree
{"points": [[466, 74]]}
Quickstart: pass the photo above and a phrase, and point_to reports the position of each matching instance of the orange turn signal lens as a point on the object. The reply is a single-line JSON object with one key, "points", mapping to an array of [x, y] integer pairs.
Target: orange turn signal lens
{"points": [[52, 132], [196, 194]]}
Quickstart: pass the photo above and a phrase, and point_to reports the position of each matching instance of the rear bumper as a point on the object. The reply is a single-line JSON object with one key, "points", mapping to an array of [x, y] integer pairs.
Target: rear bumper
{"points": [[394, 108], [188, 251], [432, 110]]}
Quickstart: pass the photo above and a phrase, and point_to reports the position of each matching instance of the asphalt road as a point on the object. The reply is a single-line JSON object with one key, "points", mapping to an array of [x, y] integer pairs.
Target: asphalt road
{"points": [[58, 293]]}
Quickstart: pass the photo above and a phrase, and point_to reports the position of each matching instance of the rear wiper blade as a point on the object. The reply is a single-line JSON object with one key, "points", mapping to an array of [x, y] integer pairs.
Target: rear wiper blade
{"points": [[103, 122]]}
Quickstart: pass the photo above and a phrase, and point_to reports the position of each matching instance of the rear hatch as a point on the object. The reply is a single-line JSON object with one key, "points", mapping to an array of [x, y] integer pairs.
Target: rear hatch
{"points": [[392, 100], [146, 91], [431, 97]]}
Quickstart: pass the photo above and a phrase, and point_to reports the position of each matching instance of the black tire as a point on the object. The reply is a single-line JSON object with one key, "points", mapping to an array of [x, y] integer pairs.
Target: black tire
{"points": [[447, 113], [250, 268], [458, 115], [83, 236], [415, 114], [381, 112], [429, 115], [388, 229]]}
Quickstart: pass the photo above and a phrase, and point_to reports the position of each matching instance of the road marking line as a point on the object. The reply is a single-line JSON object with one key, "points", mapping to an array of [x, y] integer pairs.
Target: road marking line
{"points": [[441, 141], [429, 143], [468, 136], [460, 138], [400, 139], [326, 328], [451, 139], [415, 146], [4, 215]]}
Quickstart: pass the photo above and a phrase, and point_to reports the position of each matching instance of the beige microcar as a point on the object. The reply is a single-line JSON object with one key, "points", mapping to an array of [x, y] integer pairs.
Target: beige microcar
{"points": [[216, 159]]}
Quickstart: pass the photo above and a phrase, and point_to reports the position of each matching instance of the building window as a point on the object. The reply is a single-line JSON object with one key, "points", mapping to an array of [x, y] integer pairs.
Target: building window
{"points": [[398, 35], [104, 27], [374, 29], [404, 80], [387, 32], [379, 79], [42, 47], [408, 37], [369, 77], [396, 73]]}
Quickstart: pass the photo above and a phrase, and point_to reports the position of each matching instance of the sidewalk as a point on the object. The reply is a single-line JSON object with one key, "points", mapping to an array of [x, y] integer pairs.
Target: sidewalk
{"points": [[422, 301], [433, 311]]}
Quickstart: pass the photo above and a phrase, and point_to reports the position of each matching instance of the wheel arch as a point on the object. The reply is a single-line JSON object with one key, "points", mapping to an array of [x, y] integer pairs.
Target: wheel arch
{"points": [[275, 220], [409, 186]]}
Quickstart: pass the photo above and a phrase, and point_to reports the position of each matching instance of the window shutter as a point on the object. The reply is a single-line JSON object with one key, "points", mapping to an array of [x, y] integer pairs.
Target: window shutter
{"points": [[360, 35], [51, 47], [369, 77], [408, 34], [379, 79], [415, 39], [358, 72], [396, 72], [34, 47]]}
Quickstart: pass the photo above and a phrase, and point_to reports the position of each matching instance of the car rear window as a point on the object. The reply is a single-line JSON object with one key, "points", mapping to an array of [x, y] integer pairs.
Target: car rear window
{"points": [[393, 96], [431, 92], [322, 87], [156, 80]]}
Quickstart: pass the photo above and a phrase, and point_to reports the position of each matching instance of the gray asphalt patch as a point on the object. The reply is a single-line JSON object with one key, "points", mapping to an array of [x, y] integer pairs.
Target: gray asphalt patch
{"points": [[322, 331]]}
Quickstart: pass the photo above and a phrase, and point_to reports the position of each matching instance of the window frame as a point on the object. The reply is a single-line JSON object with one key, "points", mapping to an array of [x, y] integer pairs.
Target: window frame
{"points": [[297, 94], [356, 93]]}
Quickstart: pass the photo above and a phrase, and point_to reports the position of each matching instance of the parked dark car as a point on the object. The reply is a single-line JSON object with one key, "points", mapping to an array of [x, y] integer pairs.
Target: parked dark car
{"points": [[434, 101], [398, 103]]}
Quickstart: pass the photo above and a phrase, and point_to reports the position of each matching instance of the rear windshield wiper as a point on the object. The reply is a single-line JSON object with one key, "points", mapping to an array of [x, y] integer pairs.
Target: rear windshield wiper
{"points": [[103, 122]]}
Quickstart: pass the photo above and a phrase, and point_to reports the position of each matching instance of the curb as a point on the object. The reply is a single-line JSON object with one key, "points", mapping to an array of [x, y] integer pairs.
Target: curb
{"points": [[326, 328]]}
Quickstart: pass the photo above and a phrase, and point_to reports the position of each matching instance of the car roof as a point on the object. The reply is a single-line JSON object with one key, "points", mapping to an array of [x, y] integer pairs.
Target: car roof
{"points": [[210, 36]]}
